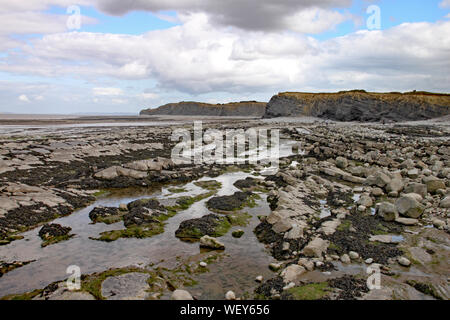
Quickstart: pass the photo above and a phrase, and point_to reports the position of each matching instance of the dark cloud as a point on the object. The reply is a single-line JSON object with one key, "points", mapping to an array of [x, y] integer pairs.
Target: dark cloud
{"points": [[265, 15]]}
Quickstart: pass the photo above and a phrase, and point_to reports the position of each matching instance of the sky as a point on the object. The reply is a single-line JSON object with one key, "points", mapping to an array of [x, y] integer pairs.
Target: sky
{"points": [[121, 56]]}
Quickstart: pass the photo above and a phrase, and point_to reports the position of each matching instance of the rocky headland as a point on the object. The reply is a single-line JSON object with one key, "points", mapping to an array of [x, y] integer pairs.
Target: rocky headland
{"points": [[251, 109], [359, 105]]}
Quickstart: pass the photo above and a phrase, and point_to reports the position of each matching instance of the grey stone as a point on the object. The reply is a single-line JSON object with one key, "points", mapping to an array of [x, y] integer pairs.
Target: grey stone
{"points": [[408, 206], [341, 162], [418, 188], [345, 259], [316, 248], [383, 238], [413, 173], [129, 286], [308, 264], [282, 226], [387, 211], [365, 201], [353, 255], [404, 262], [445, 203], [395, 185], [434, 184], [211, 243], [181, 295], [230, 295], [292, 273], [407, 221], [377, 192]]}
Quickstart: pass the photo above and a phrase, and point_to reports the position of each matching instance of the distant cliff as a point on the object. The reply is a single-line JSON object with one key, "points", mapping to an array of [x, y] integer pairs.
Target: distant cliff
{"points": [[359, 105], [236, 109]]}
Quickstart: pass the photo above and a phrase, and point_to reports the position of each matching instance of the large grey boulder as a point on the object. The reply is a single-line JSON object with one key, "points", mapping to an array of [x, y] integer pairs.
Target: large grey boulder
{"points": [[395, 185], [292, 273], [418, 188], [282, 226], [316, 248], [379, 179], [365, 201], [297, 231], [408, 164], [413, 173], [409, 206], [433, 184], [388, 211]]}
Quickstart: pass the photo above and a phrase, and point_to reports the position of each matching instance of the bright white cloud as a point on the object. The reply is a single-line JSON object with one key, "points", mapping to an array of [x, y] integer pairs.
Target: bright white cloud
{"points": [[24, 98], [314, 20]]}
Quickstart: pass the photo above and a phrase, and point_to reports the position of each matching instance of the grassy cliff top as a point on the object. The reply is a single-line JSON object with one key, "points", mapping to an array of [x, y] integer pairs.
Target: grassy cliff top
{"points": [[436, 97]]}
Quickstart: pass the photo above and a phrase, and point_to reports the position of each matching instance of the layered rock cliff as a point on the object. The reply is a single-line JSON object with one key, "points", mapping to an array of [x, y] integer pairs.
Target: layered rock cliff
{"points": [[359, 105], [236, 109]]}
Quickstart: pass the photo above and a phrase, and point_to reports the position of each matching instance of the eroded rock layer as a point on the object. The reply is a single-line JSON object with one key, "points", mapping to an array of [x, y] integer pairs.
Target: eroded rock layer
{"points": [[359, 105]]}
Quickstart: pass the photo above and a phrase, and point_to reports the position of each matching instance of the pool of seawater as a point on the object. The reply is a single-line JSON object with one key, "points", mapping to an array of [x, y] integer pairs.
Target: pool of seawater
{"points": [[243, 260]]}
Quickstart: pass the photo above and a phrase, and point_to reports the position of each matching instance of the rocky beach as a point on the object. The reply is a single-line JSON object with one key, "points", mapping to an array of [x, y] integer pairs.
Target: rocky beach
{"points": [[352, 205], [225, 159]]}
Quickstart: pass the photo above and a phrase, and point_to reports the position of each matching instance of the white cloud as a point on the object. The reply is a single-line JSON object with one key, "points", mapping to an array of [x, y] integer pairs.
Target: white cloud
{"points": [[107, 91], [314, 20], [28, 18], [198, 57], [445, 4], [24, 98]]}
